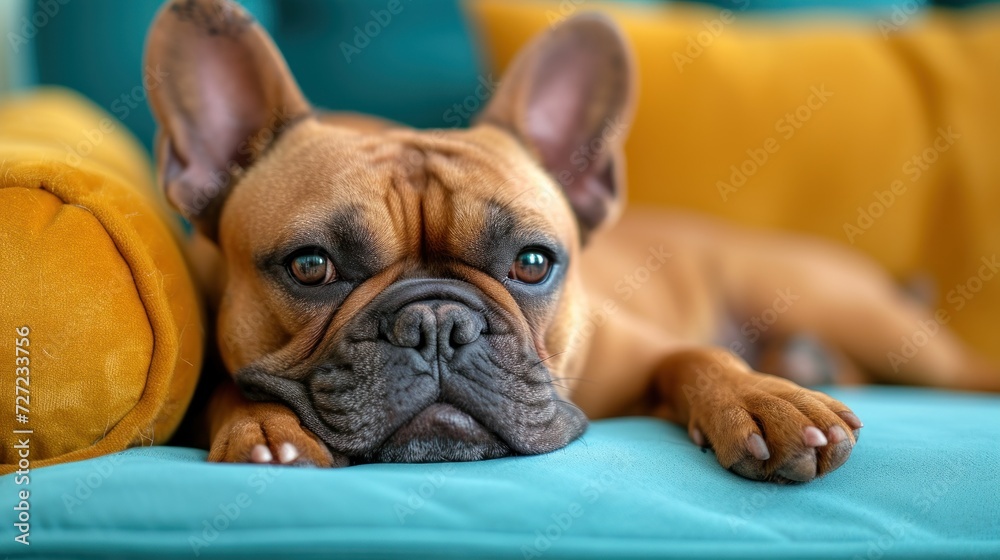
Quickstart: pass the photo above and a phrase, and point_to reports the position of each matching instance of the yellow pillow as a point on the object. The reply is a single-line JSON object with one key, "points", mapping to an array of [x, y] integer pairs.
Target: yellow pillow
{"points": [[101, 328], [884, 135]]}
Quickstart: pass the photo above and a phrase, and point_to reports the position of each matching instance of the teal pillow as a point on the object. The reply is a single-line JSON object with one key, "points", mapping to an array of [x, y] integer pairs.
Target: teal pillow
{"points": [[924, 482]]}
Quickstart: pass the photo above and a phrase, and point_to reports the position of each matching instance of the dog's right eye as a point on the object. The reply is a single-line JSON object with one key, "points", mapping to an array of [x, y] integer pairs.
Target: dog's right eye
{"points": [[312, 267], [530, 267]]}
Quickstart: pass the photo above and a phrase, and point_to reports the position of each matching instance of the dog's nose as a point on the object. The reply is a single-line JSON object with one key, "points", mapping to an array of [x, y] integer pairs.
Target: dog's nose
{"points": [[441, 326]]}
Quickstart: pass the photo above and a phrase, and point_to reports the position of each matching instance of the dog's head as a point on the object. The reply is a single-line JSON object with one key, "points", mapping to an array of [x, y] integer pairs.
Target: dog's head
{"points": [[412, 295]]}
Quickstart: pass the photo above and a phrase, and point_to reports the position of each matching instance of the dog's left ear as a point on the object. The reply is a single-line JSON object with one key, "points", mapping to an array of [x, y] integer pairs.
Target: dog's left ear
{"points": [[568, 98], [227, 95]]}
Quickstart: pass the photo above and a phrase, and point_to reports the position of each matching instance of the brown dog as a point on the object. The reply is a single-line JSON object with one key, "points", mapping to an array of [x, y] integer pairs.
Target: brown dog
{"points": [[400, 295]]}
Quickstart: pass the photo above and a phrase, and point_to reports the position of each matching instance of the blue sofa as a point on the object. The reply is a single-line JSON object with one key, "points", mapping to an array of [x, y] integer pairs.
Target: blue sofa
{"points": [[923, 482]]}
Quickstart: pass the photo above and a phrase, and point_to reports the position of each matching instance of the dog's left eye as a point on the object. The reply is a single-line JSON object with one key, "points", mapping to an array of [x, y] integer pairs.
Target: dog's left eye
{"points": [[530, 267], [312, 267]]}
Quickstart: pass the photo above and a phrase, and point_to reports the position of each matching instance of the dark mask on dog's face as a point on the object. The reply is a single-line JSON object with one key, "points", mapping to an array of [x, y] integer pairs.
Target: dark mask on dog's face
{"points": [[413, 296], [412, 308]]}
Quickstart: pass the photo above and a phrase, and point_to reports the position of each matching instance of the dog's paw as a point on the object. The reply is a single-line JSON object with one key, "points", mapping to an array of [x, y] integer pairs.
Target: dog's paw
{"points": [[766, 428], [270, 434]]}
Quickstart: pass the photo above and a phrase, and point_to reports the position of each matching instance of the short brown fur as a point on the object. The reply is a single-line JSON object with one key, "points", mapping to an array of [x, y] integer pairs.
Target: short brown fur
{"points": [[422, 200]]}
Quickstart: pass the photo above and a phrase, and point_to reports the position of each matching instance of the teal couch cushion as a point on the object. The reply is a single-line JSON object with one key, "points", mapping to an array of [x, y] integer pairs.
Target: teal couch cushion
{"points": [[924, 482]]}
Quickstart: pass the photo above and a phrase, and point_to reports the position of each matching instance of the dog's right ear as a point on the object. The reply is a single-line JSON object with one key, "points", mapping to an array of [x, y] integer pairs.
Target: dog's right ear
{"points": [[568, 98], [226, 94]]}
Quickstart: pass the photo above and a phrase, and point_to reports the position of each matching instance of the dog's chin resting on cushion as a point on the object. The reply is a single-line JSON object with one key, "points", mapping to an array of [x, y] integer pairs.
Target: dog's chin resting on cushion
{"points": [[389, 294]]}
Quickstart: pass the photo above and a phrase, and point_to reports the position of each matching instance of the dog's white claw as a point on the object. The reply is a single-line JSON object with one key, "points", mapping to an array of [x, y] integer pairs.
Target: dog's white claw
{"points": [[852, 420], [696, 436], [287, 453], [758, 447], [837, 434], [813, 437], [261, 454]]}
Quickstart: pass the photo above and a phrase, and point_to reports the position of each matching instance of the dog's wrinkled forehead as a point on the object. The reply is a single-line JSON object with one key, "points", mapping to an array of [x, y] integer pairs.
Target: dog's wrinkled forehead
{"points": [[395, 194]]}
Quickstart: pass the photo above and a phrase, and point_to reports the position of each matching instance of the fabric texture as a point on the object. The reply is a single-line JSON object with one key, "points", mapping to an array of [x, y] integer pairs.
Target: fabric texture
{"points": [[923, 482], [93, 288], [881, 133]]}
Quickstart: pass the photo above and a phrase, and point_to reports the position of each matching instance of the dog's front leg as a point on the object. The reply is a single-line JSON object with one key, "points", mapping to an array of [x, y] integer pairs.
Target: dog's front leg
{"points": [[761, 427], [245, 431]]}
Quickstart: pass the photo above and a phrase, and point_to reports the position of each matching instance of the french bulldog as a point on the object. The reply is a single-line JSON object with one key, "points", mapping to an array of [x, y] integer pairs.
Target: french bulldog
{"points": [[385, 294]]}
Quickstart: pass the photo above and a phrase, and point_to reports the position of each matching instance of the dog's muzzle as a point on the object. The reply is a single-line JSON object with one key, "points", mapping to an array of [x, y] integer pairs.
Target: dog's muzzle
{"points": [[432, 370]]}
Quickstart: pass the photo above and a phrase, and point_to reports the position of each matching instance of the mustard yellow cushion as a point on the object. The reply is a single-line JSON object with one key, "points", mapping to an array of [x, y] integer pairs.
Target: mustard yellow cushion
{"points": [[96, 301], [882, 135]]}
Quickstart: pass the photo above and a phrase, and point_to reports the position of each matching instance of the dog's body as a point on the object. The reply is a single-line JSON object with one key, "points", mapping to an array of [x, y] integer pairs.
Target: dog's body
{"points": [[401, 295]]}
